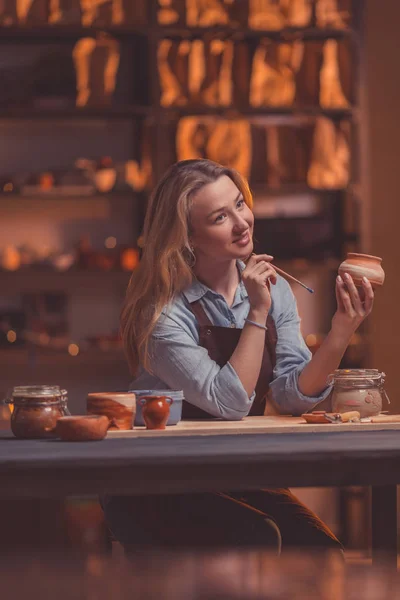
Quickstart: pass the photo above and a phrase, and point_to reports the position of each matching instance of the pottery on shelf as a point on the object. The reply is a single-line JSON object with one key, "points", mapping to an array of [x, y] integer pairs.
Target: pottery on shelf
{"points": [[82, 428], [155, 410], [363, 265], [119, 407]]}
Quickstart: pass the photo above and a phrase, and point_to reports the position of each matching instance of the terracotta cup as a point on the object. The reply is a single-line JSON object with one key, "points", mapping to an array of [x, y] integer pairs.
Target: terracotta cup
{"points": [[119, 407], [363, 265], [82, 428], [155, 410]]}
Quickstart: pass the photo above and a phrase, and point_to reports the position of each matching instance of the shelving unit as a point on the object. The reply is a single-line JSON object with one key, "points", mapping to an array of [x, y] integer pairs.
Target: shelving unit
{"points": [[143, 41]]}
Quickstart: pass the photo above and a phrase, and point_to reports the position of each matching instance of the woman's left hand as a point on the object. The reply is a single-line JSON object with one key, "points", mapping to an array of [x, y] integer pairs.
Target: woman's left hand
{"points": [[351, 307]]}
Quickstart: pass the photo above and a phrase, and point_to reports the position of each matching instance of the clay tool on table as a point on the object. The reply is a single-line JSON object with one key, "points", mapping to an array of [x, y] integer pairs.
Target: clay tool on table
{"points": [[320, 416], [382, 418], [352, 416]]}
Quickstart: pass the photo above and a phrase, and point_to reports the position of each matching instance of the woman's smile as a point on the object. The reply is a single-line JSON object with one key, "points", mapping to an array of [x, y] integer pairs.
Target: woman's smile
{"points": [[243, 240]]}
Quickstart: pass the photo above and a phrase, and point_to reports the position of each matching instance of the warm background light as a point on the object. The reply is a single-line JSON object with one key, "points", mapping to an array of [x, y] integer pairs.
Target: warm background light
{"points": [[44, 339], [73, 349], [110, 242], [11, 336]]}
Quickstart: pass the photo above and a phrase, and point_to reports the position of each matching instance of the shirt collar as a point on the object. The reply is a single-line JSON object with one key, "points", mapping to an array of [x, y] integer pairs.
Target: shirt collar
{"points": [[197, 290]]}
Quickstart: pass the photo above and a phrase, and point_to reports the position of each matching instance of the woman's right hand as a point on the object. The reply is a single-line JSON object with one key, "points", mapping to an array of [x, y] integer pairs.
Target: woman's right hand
{"points": [[256, 277]]}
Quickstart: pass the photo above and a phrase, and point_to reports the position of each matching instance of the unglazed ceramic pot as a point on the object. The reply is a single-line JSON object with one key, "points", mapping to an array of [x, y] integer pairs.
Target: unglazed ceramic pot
{"points": [[155, 410], [119, 407], [82, 428], [363, 265]]}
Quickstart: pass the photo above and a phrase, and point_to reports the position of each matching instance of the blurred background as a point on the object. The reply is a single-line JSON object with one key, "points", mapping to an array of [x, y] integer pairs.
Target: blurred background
{"points": [[99, 97]]}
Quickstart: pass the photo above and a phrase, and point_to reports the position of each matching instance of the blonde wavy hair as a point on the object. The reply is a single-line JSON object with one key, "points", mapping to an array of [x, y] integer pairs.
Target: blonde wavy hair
{"points": [[164, 269]]}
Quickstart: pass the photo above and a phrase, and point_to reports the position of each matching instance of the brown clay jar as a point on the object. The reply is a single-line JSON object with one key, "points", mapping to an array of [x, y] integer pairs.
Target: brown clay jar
{"points": [[119, 407], [363, 265], [155, 410], [82, 428], [36, 410]]}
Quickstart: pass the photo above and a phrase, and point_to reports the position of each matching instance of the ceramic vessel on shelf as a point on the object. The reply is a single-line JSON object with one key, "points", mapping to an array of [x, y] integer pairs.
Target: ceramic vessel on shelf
{"points": [[119, 407], [363, 265], [36, 409], [155, 410], [82, 428]]}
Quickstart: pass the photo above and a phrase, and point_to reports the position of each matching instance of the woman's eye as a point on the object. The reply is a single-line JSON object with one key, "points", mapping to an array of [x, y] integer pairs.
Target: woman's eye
{"points": [[240, 203], [220, 218]]}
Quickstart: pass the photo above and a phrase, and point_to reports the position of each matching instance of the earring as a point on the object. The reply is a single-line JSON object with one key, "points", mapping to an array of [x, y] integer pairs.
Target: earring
{"points": [[191, 257]]}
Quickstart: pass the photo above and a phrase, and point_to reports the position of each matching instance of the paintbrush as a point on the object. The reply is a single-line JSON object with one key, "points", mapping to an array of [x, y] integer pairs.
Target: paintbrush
{"points": [[290, 277]]}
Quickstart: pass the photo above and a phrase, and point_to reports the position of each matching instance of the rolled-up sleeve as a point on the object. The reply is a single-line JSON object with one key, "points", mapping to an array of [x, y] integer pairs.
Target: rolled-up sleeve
{"points": [[178, 360], [292, 355]]}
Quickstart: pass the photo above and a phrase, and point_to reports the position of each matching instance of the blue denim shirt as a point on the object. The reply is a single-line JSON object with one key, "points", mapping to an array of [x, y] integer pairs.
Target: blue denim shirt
{"points": [[178, 362]]}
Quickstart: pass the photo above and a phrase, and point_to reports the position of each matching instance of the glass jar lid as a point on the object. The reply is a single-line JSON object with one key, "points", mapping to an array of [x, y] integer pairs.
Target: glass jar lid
{"points": [[37, 391], [24, 395], [357, 377]]}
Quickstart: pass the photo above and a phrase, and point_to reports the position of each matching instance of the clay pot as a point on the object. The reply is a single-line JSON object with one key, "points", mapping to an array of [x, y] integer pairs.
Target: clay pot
{"points": [[119, 407], [155, 410], [363, 265], [82, 428]]}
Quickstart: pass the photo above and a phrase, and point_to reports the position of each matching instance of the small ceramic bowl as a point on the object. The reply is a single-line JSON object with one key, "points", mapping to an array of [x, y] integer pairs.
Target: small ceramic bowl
{"points": [[316, 416], [82, 428], [119, 407]]}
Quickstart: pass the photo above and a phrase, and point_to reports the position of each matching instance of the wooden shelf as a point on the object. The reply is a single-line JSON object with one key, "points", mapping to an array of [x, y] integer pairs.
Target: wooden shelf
{"points": [[289, 33], [235, 112], [65, 33], [28, 112], [293, 189], [51, 197], [37, 278], [172, 112], [20, 356]]}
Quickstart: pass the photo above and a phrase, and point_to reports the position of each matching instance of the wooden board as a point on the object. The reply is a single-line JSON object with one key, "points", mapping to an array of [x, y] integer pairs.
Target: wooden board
{"points": [[268, 424]]}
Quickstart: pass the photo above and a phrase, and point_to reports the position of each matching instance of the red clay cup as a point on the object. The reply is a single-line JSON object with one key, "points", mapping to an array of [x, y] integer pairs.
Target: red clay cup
{"points": [[155, 410]]}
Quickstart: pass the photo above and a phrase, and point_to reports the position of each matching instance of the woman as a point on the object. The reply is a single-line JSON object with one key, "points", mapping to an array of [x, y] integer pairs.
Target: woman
{"points": [[201, 315]]}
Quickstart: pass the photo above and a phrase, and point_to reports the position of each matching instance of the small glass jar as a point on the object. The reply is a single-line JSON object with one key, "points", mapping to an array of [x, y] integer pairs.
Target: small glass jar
{"points": [[36, 409], [358, 389]]}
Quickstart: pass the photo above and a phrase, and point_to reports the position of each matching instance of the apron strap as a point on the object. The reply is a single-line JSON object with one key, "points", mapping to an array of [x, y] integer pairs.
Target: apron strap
{"points": [[202, 318]]}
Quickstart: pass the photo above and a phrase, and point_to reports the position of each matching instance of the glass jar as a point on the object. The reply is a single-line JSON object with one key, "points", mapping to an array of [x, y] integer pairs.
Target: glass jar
{"points": [[36, 409], [358, 389]]}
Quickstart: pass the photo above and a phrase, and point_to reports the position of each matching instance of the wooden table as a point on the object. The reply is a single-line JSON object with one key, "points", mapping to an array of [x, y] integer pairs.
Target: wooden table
{"points": [[247, 455], [251, 574]]}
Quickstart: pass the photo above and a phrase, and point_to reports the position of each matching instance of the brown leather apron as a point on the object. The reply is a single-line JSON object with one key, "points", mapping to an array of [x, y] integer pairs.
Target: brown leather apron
{"points": [[231, 518], [220, 343]]}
